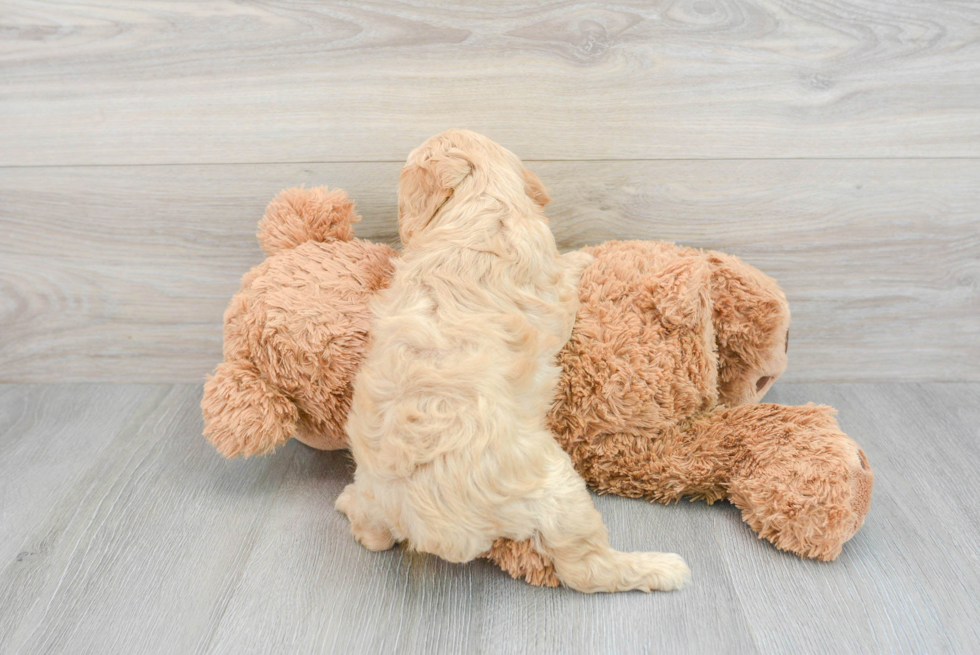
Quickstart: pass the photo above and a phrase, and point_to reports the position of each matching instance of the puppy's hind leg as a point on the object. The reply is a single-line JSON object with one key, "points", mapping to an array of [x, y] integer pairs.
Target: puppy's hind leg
{"points": [[573, 535], [371, 532]]}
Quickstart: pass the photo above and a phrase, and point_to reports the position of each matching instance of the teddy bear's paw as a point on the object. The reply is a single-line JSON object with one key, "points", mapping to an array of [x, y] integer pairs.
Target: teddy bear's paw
{"points": [[862, 483], [861, 480], [805, 485]]}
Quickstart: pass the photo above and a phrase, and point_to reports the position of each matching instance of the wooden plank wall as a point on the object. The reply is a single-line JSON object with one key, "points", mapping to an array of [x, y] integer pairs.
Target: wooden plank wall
{"points": [[836, 145]]}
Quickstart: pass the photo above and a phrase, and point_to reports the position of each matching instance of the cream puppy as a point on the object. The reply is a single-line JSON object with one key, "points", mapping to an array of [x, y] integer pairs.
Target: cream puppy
{"points": [[448, 425]]}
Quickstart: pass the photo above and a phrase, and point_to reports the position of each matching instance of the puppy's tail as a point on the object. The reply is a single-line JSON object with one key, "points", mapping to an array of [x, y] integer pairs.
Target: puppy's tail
{"points": [[577, 543], [243, 413], [604, 569], [299, 215]]}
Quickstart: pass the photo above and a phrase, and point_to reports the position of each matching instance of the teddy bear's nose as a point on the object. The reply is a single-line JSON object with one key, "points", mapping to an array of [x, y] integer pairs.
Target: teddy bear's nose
{"points": [[763, 381]]}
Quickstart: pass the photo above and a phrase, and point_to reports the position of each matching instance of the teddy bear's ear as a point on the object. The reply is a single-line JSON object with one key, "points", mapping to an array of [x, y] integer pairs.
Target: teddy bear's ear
{"points": [[535, 189], [296, 216], [425, 186]]}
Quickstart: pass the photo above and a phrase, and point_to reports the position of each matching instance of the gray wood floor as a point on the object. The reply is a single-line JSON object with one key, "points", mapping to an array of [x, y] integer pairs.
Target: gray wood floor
{"points": [[122, 531]]}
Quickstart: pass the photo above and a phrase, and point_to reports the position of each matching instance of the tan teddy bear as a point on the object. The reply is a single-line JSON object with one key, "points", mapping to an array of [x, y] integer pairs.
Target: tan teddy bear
{"points": [[672, 350]]}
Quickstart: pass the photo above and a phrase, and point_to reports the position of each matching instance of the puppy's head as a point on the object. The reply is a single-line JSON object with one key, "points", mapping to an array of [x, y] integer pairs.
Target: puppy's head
{"points": [[453, 164]]}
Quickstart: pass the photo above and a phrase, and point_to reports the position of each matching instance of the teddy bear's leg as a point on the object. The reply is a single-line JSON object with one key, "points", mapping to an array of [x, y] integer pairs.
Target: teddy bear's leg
{"points": [[751, 326], [522, 560], [243, 413], [799, 480], [677, 462]]}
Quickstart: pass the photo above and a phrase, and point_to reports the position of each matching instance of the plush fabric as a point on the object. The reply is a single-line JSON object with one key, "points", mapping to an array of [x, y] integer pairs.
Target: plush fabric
{"points": [[296, 332], [672, 350]]}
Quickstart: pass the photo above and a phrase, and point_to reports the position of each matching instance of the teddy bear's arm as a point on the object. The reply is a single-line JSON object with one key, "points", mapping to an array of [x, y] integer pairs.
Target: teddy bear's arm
{"points": [[799, 481]]}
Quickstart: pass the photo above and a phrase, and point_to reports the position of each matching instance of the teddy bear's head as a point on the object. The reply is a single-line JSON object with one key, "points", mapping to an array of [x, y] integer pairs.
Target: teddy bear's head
{"points": [[751, 320]]}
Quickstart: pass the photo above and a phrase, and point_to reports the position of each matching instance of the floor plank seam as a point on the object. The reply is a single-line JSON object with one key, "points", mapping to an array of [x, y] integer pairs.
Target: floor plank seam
{"points": [[543, 160]]}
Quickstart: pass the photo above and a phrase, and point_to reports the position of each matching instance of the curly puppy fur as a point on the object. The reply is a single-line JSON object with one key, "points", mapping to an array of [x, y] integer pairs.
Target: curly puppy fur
{"points": [[447, 425]]}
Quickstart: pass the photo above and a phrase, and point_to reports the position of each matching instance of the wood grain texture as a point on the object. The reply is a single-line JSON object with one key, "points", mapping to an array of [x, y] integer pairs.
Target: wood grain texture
{"points": [[143, 551], [155, 544], [122, 273], [51, 436], [121, 83]]}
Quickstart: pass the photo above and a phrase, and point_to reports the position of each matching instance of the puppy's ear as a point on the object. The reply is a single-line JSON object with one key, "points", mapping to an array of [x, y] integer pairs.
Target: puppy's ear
{"points": [[535, 189], [424, 187]]}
